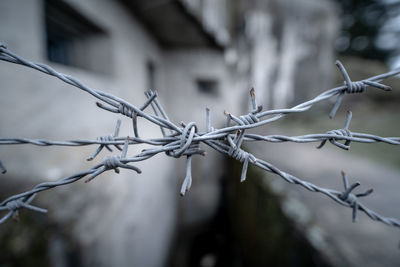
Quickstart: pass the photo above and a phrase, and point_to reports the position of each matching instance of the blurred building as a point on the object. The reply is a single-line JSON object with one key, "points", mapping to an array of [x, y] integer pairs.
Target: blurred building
{"points": [[284, 48], [195, 53]]}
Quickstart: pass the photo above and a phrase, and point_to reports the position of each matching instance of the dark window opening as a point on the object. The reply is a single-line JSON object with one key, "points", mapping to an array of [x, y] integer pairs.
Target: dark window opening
{"points": [[74, 40], [207, 86]]}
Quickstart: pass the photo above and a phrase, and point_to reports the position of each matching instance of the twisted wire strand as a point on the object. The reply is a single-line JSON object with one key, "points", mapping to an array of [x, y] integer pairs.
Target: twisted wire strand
{"points": [[185, 140], [308, 138], [84, 142]]}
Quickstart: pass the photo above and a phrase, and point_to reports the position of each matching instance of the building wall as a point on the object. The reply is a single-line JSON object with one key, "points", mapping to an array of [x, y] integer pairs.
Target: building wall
{"points": [[122, 220], [284, 47], [296, 38], [130, 219]]}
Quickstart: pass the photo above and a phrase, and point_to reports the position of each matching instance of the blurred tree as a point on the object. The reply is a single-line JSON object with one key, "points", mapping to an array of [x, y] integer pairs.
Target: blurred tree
{"points": [[367, 29]]}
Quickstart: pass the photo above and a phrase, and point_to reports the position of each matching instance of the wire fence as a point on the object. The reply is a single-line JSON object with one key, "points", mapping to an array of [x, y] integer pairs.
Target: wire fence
{"points": [[185, 140]]}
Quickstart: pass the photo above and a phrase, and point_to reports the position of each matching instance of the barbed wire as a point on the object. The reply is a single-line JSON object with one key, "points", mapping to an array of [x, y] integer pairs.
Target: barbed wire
{"points": [[333, 136], [185, 139]]}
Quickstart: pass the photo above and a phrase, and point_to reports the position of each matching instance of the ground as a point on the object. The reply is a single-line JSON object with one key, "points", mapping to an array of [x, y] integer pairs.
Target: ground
{"points": [[364, 243]]}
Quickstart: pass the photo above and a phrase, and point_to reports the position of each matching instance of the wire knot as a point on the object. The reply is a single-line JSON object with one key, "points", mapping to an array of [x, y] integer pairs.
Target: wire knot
{"points": [[340, 132], [15, 204], [355, 87], [243, 157], [125, 110], [112, 162], [106, 138], [187, 146], [350, 198], [249, 119]]}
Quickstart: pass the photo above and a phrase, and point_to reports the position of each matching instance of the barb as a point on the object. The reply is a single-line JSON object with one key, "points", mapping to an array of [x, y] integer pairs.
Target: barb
{"points": [[350, 198], [113, 163], [105, 139], [187, 182], [14, 205], [341, 132], [185, 139], [353, 87]]}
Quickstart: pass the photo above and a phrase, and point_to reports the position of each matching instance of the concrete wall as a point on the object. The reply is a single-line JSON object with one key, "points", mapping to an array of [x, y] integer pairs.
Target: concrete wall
{"points": [[130, 219], [121, 220], [296, 39]]}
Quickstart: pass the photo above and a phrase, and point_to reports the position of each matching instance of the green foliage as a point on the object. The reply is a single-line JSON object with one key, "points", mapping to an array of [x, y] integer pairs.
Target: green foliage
{"points": [[361, 25]]}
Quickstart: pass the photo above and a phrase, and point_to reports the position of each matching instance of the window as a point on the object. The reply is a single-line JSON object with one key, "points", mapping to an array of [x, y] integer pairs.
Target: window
{"points": [[207, 86], [74, 40]]}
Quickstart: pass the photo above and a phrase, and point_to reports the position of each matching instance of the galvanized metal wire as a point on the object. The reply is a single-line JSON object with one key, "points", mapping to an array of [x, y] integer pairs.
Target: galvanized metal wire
{"points": [[186, 139]]}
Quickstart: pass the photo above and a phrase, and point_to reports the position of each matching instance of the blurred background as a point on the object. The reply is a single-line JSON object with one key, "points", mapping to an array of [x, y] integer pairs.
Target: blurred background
{"points": [[198, 54]]}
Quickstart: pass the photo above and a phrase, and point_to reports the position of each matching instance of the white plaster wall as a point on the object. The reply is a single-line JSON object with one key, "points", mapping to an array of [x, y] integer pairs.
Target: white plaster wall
{"points": [[120, 220], [293, 66]]}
